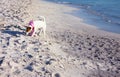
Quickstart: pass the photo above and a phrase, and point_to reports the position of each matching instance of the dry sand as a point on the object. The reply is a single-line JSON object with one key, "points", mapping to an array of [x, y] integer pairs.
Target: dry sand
{"points": [[71, 47]]}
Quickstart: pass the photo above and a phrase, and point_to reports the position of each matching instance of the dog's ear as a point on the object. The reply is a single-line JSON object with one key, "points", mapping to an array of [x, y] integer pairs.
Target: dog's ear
{"points": [[28, 29]]}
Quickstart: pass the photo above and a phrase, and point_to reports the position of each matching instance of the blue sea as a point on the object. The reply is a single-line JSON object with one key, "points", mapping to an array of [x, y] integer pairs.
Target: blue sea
{"points": [[105, 14]]}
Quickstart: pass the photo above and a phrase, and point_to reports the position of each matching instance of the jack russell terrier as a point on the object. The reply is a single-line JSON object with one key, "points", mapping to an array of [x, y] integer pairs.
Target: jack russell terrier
{"points": [[36, 27]]}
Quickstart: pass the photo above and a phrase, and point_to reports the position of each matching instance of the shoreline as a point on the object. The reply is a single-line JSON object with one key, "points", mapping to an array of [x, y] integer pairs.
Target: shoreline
{"points": [[92, 19], [71, 48], [79, 25], [96, 21], [83, 25]]}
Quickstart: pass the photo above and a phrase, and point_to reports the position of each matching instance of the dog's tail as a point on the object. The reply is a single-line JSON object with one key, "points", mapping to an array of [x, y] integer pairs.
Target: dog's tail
{"points": [[42, 18]]}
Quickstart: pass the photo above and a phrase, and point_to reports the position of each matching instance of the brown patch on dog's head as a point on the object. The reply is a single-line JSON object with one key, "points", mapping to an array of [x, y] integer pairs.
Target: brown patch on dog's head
{"points": [[28, 29]]}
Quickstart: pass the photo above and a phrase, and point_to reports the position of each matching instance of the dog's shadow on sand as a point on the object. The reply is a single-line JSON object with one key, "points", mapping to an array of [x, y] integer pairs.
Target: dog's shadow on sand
{"points": [[13, 33], [17, 31]]}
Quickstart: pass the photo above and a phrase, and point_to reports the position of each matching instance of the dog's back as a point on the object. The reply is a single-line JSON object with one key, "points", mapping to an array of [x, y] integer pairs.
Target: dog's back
{"points": [[41, 23]]}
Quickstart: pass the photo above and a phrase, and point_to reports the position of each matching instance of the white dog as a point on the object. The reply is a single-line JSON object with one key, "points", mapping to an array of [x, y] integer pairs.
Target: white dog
{"points": [[36, 26]]}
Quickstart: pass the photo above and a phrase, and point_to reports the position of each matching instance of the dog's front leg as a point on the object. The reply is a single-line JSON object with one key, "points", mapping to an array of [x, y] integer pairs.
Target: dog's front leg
{"points": [[33, 34], [40, 31], [44, 33]]}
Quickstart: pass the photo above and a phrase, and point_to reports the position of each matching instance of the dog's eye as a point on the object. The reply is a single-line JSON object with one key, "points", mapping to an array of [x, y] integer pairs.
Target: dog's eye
{"points": [[28, 29]]}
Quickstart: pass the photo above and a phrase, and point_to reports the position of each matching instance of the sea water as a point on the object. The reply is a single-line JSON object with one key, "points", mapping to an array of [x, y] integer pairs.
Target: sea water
{"points": [[104, 14]]}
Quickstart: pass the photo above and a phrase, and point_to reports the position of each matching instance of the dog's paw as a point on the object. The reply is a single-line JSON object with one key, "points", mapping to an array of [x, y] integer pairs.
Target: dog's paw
{"points": [[34, 35]]}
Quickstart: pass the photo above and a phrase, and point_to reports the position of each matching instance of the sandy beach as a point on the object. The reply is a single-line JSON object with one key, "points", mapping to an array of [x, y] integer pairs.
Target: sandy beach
{"points": [[71, 48]]}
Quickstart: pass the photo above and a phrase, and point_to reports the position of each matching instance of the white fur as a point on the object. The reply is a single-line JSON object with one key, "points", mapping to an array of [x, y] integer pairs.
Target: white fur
{"points": [[39, 25]]}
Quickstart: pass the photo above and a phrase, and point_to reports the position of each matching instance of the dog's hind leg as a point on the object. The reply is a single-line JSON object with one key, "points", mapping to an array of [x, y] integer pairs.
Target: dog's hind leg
{"points": [[40, 31], [44, 32]]}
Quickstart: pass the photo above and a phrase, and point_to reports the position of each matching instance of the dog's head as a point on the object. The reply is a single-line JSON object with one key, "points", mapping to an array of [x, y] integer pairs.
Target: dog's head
{"points": [[28, 29]]}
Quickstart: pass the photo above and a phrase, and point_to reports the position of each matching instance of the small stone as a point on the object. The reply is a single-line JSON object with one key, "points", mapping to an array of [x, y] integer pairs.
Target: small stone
{"points": [[89, 48], [108, 69], [90, 44], [57, 75], [47, 48], [88, 38], [117, 71], [36, 49], [17, 72], [26, 52], [93, 36], [4, 52], [30, 56], [84, 63], [46, 71], [117, 59], [1, 68], [50, 43], [1, 60], [43, 68], [29, 68], [118, 68], [101, 45], [23, 47], [76, 44], [95, 55], [4, 46], [80, 48], [47, 62], [40, 56]]}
